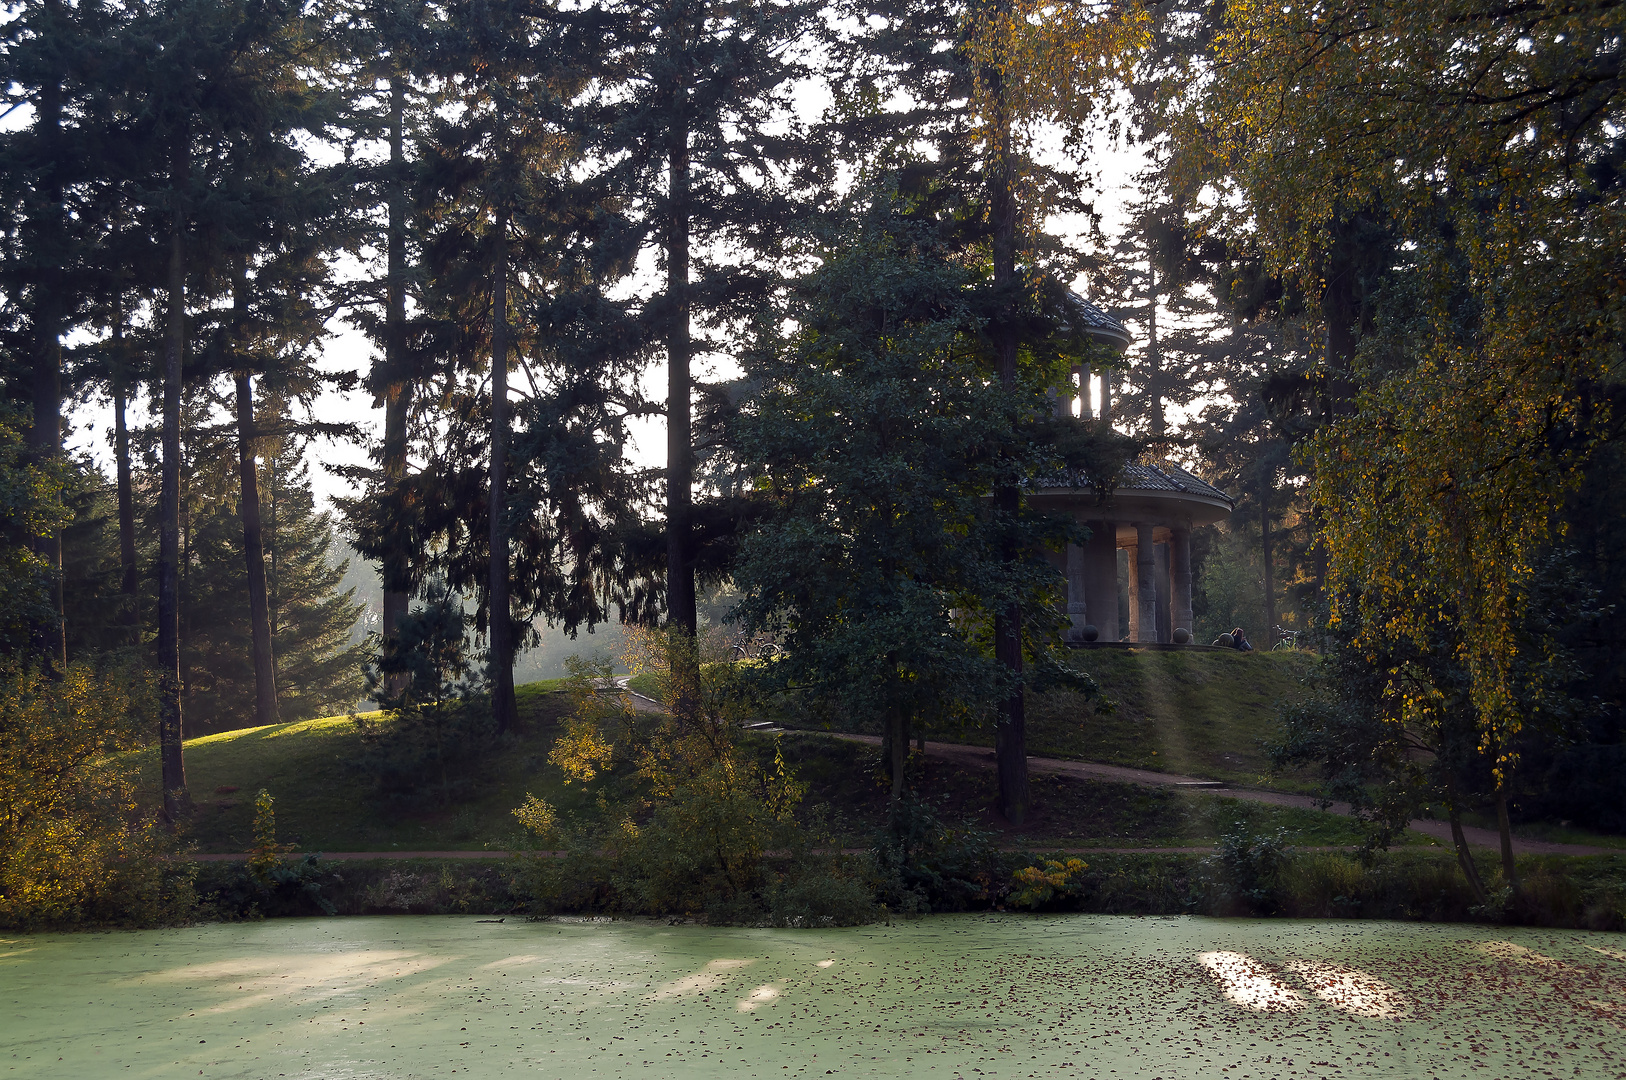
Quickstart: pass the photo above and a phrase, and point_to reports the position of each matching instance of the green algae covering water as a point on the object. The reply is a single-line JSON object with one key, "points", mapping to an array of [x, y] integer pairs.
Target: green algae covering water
{"points": [[954, 996]]}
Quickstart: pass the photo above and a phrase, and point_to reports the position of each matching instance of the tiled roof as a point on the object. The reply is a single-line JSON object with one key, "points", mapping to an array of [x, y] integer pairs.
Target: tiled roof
{"points": [[1165, 476], [1085, 317]]}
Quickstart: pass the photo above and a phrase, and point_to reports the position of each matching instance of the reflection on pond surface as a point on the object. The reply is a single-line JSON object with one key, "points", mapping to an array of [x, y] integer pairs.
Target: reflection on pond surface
{"points": [[967, 996]]}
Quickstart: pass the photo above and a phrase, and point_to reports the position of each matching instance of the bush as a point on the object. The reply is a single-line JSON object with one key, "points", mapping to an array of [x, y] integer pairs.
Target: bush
{"points": [[1036, 887], [75, 845], [692, 820], [1246, 870], [314, 886], [926, 865], [437, 722]]}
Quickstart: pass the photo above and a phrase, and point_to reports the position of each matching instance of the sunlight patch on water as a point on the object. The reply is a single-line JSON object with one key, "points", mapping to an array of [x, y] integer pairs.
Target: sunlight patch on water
{"points": [[703, 981], [1350, 990], [1246, 982], [255, 980], [762, 995]]}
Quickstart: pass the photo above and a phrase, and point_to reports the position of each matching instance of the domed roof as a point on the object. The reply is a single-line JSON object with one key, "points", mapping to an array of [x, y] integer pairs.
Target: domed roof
{"points": [[1083, 317]]}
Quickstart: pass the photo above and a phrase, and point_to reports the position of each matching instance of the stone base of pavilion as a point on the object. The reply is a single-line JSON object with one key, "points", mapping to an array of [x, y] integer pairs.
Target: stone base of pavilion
{"points": [[1149, 646]]}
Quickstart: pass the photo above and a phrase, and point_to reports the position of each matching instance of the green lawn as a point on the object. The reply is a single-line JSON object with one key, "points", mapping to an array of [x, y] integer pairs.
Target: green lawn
{"points": [[325, 804], [1201, 713], [1204, 713]]}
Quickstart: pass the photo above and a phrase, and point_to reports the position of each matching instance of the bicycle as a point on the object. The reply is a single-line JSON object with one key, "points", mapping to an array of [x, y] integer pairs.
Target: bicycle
{"points": [[764, 650], [1286, 640]]}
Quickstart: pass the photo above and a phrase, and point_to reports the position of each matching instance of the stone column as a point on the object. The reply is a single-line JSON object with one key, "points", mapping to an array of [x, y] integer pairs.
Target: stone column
{"points": [[1077, 593], [1143, 587], [1165, 630], [1085, 410], [1101, 566], [1064, 395], [1180, 571]]}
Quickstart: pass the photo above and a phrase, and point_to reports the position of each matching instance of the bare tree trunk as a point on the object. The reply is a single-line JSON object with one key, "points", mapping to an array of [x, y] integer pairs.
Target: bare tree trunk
{"points": [[45, 434], [1265, 484], [129, 572], [682, 617], [503, 705], [398, 388], [1465, 858], [680, 588], [169, 517], [1154, 363], [259, 608], [1504, 828], [1010, 734], [899, 747]]}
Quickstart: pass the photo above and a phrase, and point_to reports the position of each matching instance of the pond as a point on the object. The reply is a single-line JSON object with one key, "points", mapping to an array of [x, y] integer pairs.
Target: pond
{"points": [[971, 996]]}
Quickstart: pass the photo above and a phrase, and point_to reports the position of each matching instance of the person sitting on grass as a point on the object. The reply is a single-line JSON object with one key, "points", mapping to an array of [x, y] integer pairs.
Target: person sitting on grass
{"points": [[1240, 642]]}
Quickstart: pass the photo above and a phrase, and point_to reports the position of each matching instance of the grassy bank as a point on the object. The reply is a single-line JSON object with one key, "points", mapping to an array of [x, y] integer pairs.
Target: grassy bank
{"points": [[956, 855], [324, 804], [1204, 714]]}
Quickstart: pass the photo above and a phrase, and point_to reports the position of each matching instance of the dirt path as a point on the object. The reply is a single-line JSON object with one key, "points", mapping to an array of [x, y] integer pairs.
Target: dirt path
{"points": [[979, 757]]}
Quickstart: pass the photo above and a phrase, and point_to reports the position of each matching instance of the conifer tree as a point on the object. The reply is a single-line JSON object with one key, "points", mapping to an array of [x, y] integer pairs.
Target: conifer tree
{"points": [[878, 435], [52, 57], [695, 119], [972, 81], [386, 40], [505, 223]]}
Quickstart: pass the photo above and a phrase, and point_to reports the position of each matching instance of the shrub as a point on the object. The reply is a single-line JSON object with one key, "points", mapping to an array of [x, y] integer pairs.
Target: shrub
{"points": [[695, 812], [437, 722], [1035, 887], [926, 865], [75, 845], [1246, 869]]}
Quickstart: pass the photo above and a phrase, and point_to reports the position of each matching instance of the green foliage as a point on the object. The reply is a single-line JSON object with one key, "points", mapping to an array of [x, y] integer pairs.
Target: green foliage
{"points": [[266, 854], [30, 505], [1488, 374], [436, 727], [76, 847], [691, 819], [925, 864], [879, 435], [1246, 869], [312, 615]]}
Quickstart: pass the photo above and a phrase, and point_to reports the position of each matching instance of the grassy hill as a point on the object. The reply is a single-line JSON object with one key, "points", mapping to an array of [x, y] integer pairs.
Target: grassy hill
{"points": [[324, 803], [1202, 713], [1195, 710]]}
